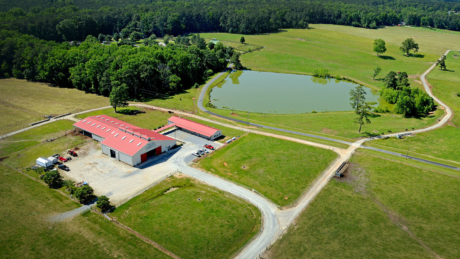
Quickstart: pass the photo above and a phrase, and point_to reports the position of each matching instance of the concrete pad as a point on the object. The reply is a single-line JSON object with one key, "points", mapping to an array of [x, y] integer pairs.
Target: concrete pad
{"points": [[115, 179]]}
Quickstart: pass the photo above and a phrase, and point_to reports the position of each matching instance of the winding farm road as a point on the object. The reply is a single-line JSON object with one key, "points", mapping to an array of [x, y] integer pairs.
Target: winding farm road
{"points": [[275, 220]]}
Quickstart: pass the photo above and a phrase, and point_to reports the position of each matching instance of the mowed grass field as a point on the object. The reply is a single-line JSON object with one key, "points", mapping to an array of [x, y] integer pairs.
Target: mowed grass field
{"points": [[190, 219], [344, 51], [23, 102], [278, 169], [25, 231], [384, 210]]}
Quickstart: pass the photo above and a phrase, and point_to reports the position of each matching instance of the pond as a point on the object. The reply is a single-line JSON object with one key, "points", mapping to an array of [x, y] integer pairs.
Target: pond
{"points": [[266, 92]]}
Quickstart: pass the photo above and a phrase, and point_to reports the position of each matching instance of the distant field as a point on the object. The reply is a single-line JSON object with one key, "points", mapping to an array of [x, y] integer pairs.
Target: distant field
{"points": [[344, 51], [26, 233], [191, 219], [363, 216], [23, 102], [280, 170]]}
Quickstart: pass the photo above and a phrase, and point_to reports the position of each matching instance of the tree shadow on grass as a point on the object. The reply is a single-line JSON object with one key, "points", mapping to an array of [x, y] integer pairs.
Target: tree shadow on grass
{"points": [[375, 115], [387, 57], [370, 134], [416, 55]]}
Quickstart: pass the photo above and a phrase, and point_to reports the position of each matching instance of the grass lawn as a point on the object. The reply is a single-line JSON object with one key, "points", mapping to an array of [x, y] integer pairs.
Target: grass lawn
{"points": [[25, 232], [215, 226], [280, 170], [364, 216], [33, 136], [148, 120]]}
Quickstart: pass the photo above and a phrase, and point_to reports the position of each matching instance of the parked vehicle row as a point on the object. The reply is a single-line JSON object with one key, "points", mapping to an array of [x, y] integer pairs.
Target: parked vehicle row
{"points": [[50, 162], [204, 151]]}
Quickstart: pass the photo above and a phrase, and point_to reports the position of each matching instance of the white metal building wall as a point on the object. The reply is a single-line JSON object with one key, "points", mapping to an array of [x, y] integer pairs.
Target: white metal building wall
{"points": [[97, 138], [125, 158], [105, 150]]}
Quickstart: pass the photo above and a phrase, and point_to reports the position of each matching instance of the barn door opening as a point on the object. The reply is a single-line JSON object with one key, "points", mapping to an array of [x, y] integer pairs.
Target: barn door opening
{"points": [[112, 153]]}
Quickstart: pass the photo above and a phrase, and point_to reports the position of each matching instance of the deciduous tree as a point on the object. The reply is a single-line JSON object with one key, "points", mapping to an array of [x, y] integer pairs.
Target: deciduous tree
{"points": [[119, 96], [53, 179], [103, 203], [379, 46], [408, 45], [377, 71]]}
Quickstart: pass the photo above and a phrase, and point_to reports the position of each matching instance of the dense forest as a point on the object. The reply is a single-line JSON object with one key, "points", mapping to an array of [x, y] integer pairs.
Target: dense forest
{"points": [[98, 68], [36, 35], [234, 16]]}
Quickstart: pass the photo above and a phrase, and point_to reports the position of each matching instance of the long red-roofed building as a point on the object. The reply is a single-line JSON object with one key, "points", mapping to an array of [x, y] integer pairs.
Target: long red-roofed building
{"points": [[192, 127], [123, 141]]}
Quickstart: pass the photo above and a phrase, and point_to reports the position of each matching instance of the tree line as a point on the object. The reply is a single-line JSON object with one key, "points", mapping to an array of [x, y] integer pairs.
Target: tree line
{"points": [[62, 20], [99, 68]]}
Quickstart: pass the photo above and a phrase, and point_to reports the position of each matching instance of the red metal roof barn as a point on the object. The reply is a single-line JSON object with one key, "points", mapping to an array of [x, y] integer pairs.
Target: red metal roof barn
{"points": [[123, 141]]}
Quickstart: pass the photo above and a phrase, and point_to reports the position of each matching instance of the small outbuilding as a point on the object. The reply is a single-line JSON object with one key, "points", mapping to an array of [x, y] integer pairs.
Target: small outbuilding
{"points": [[194, 128]]}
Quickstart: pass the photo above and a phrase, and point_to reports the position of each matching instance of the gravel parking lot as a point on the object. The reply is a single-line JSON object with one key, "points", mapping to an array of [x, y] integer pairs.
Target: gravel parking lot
{"points": [[120, 181], [115, 179]]}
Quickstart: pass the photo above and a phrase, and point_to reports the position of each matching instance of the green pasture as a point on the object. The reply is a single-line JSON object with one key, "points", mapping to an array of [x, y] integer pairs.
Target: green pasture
{"points": [[27, 233], [34, 136], [278, 169], [12, 119], [383, 209], [344, 51], [190, 219]]}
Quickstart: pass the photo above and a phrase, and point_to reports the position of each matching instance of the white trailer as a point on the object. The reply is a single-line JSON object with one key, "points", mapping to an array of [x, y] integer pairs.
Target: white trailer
{"points": [[52, 159], [44, 162]]}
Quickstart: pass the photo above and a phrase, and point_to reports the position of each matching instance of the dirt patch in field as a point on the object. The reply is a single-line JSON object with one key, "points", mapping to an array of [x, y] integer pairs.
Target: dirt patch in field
{"points": [[234, 114], [300, 39], [356, 177], [329, 131]]}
